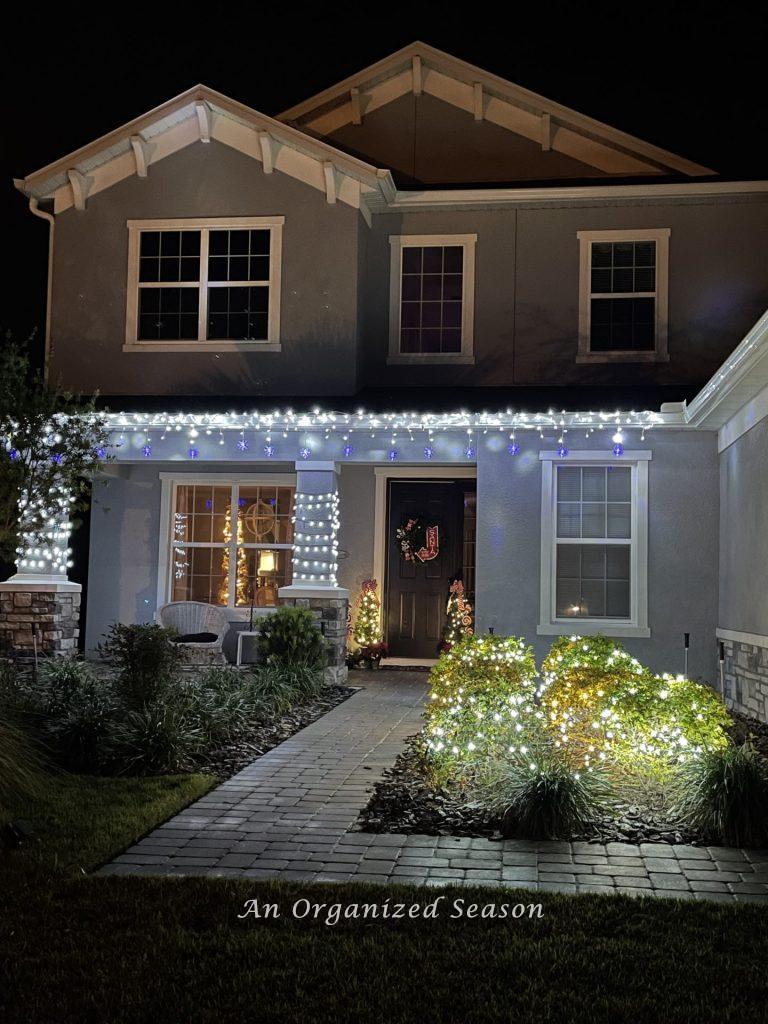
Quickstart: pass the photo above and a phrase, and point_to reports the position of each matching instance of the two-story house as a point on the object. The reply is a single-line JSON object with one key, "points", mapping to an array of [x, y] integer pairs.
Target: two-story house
{"points": [[425, 296]]}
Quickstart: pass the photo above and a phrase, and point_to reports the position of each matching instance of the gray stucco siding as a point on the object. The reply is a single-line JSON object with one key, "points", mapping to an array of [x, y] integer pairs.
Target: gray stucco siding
{"points": [[744, 533], [527, 290], [319, 307]]}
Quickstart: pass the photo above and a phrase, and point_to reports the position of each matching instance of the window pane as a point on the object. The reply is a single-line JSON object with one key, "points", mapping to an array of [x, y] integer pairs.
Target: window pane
{"points": [[593, 519], [619, 483], [593, 581], [238, 314], [619, 519], [262, 573], [568, 519], [568, 483], [431, 292], [593, 483], [200, 574], [622, 324], [169, 256], [201, 514], [168, 314], [238, 255], [265, 515]]}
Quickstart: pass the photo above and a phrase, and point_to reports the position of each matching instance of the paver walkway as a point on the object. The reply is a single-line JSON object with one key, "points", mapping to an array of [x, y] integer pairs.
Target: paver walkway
{"points": [[287, 814]]}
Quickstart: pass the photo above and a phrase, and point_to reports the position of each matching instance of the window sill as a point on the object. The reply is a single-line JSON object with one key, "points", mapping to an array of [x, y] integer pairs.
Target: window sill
{"points": [[622, 357], [592, 627], [202, 346], [465, 358]]}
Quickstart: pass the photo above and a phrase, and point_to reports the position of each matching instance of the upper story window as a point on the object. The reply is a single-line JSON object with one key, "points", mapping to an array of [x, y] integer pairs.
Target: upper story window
{"points": [[204, 284], [623, 295], [431, 310], [594, 544]]}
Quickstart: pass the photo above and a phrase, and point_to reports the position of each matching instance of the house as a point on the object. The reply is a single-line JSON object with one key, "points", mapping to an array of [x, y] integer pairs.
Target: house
{"points": [[425, 296]]}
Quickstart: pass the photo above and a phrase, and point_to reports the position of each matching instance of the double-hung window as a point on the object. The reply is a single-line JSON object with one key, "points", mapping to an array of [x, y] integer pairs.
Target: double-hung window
{"points": [[228, 542], [594, 544], [623, 295], [204, 284], [431, 307]]}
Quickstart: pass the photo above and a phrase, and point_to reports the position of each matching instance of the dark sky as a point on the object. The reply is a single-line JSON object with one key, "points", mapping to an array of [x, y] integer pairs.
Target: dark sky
{"points": [[690, 77]]}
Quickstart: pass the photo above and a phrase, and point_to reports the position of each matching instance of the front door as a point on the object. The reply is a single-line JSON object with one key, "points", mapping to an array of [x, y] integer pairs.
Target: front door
{"points": [[416, 591]]}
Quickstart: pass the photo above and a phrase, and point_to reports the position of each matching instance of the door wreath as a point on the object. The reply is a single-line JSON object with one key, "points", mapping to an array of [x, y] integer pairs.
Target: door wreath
{"points": [[418, 539]]}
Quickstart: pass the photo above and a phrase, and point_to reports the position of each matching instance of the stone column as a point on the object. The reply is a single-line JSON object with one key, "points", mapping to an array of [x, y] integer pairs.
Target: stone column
{"points": [[314, 561], [39, 606]]}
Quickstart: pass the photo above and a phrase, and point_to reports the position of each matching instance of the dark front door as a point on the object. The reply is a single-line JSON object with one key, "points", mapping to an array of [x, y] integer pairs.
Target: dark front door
{"points": [[417, 592]]}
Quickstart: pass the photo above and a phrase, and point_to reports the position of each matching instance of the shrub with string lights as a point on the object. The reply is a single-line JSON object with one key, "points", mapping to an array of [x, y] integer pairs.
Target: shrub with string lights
{"points": [[482, 705], [602, 705]]}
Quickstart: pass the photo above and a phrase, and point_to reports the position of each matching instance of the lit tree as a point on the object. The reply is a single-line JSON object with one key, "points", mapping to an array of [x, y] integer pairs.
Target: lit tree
{"points": [[241, 583], [458, 622], [367, 622]]}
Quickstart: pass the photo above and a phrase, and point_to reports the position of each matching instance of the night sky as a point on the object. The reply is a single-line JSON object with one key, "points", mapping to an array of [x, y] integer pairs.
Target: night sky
{"points": [[692, 81]]}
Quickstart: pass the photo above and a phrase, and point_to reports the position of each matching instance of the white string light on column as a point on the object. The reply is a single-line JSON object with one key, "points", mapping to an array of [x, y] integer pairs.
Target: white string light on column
{"points": [[315, 544]]}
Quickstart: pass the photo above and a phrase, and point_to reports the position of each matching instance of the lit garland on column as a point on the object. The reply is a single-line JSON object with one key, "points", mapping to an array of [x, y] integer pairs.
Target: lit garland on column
{"points": [[315, 547], [45, 550]]}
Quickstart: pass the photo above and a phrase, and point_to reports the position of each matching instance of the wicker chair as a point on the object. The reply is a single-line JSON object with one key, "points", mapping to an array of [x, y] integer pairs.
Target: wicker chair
{"points": [[190, 617]]}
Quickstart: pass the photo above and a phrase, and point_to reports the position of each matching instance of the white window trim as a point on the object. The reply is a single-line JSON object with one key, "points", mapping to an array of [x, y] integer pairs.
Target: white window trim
{"points": [[272, 343], [399, 242], [169, 483], [637, 624], [660, 236]]}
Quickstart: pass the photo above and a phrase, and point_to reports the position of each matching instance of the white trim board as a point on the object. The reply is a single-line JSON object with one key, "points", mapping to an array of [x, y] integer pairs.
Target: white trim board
{"points": [[735, 635]]}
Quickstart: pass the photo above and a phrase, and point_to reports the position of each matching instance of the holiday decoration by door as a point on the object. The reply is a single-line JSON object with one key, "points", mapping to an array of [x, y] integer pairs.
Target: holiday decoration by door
{"points": [[367, 632], [418, 540], [458, 618]]}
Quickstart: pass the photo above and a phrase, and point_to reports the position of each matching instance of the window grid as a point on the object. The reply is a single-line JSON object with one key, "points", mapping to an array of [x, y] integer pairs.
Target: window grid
{"points": [[431, 299], [204, 283], [230, 557], [592, 542], [623, 296]]}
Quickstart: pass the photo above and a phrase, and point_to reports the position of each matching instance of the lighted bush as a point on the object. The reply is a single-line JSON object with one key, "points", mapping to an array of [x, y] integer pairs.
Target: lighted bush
{"points": [[482, 705], [601, 704]]}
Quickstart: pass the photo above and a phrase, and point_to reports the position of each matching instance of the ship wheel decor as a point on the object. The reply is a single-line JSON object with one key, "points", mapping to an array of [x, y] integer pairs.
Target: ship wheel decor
{"points": [[260, 519], [418, 539]]}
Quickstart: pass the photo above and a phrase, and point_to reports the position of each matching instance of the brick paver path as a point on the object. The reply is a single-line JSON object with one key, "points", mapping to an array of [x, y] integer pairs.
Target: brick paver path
{"points": [[287, 814]]}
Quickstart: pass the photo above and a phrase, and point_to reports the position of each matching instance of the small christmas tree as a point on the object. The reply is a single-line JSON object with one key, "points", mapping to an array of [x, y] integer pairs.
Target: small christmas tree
{"points": [[458, 621], [368, 620]]}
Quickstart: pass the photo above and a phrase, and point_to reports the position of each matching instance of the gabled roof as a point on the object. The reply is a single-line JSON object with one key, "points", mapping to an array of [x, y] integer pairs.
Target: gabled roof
{"points": [[420, 68], [199, 115]]}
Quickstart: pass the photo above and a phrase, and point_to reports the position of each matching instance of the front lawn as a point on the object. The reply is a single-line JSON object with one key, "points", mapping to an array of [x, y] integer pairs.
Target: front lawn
{"points": [[122, 949]]}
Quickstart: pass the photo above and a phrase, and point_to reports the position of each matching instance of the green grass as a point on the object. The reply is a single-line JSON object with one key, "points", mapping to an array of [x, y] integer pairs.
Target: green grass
{"points": [[121, 950]]}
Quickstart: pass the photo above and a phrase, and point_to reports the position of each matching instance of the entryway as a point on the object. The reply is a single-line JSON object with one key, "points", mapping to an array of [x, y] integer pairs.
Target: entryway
{"points": [[430, 541]]}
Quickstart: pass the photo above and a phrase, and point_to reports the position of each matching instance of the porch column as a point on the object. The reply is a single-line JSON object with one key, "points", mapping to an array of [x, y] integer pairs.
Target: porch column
{"points": [[315, 586], [39, 606]]}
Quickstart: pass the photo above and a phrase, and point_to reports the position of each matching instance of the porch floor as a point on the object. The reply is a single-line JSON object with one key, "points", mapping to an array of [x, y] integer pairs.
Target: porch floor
{"points": [[287, 814]]}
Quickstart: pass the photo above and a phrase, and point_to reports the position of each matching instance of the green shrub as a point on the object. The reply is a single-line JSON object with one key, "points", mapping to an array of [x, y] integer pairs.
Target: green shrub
{"points": [[602, 705], [482, 705], [146, 659], [21, 767], [220, 704], [290, 637], [155, 739], [541, 796], [724, 794]]}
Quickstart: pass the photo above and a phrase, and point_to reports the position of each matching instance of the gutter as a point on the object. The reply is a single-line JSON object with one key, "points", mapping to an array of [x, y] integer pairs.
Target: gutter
{"points": [[43, 215]]}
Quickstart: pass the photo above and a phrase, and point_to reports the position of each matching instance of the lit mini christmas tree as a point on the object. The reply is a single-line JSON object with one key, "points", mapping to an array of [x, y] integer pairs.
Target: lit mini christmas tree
{"points": [[368, 620], [458, 621]]}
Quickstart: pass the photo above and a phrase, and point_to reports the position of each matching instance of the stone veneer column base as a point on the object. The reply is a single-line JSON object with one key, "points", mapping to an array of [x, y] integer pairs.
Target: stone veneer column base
{"points": [[746, 677], [330, 606], [39, 611]]}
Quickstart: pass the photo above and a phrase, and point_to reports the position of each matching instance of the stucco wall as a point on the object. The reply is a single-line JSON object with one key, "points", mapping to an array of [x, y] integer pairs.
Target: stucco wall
{"points": [[527, 290], [682, 543], [319, 308], [744, 533], [682, 547]]}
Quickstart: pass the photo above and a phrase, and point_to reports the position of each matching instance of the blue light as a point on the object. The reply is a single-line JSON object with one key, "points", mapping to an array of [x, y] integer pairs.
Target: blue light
{"points": [[269, 450], [305, 452], [618, 449], [562, 451], [429, 452], [513, 448], [101, 453], [392, 454], [13, 454], [348, 449], [193, 453], [146, 450], [242, 445], [57, 459], [469, 452]]}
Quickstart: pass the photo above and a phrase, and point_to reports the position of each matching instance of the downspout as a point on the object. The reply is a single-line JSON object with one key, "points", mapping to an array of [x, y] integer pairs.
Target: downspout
{"points": [[35, 209]]}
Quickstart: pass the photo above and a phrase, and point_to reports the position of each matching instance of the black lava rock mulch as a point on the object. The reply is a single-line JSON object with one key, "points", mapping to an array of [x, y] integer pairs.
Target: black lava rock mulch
{"points": [[232, 758]]}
